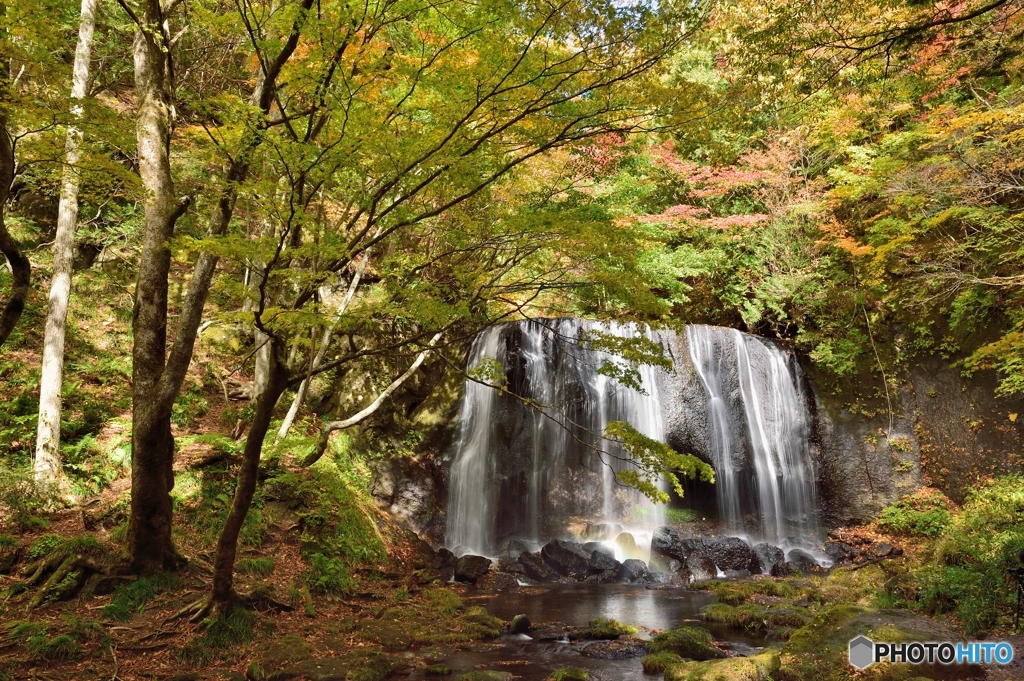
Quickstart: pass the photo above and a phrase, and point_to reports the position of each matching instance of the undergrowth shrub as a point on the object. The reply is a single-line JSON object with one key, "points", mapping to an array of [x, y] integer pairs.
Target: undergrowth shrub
{"points": [[131, 598], [925, 513], [968, 575], [338, 523], [237, 627]]}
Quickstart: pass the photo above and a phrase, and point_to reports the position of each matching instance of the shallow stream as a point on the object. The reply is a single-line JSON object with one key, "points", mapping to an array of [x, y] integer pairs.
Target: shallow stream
{"points": [[576, 605]]}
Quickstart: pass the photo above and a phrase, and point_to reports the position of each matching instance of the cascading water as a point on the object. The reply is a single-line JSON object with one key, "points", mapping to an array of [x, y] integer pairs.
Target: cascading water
{"points": [[531, 460], [759, 434], [528, 461]]}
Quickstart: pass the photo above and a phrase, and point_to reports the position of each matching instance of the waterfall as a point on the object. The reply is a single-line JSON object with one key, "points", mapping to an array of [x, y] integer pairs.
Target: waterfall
{"points": [[529, 462], [759, 435]]}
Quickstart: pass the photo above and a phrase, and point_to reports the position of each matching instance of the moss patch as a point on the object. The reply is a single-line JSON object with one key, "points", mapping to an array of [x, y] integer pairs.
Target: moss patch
{"points": [[760, 667], [818, 651], [690, 643]]}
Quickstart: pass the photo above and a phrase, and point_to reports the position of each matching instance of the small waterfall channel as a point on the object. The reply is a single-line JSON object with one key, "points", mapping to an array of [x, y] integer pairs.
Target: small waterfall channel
{"points": [[759, 432], [530, 462]]}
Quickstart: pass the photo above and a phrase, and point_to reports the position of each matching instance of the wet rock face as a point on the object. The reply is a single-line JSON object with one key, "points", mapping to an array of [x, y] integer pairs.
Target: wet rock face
{"points": [[536, 568], [700, 567], [634, 570], [566, 557], [444, 565], [470, 568], [730, 554], [799, 561], [770, 558]]}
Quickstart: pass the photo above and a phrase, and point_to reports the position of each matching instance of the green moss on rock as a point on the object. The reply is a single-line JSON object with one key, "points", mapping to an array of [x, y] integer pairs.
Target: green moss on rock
{"points": [[760, 667], [691, 643]]}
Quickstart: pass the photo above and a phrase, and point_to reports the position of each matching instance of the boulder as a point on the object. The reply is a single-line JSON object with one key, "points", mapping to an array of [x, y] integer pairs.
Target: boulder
{"points": [[515, 548], [666, 542], [470, 568], [700, 567], [634, 570], [444, 565], [769, 558], [728, 553], [600, 561], [535, 568], [799, 561], [627, 546], [592, 546], [601, 531], [520, 625], [566, 557], [693, 643]]}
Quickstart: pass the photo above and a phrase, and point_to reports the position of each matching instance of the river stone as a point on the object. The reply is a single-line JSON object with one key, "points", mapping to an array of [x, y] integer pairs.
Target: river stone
{"points": [[729, 553], [770, 558], [700, 567], [470, 568], [634, 570], [760, 667], [566, 557], [444, 565], [536, 569], [520, 625], [497, 581], [623, 648]]}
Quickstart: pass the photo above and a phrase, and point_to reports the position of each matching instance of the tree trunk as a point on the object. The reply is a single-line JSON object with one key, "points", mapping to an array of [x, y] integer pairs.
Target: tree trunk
{"points": [[223, 593], [156, 385], [20, 267], [149, 531], [47, 465]]}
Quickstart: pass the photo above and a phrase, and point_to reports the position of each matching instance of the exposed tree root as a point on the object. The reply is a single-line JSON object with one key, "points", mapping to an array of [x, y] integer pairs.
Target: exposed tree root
{"points": [[207, 608]]}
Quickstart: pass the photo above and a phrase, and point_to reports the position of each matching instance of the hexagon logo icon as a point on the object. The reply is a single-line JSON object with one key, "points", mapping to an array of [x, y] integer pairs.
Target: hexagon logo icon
{"points": [[862, 652]]}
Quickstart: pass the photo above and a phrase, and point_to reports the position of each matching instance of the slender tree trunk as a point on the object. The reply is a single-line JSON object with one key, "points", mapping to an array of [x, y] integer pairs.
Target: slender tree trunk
{"points": [[21, 270], [149, 531], [223, 592], [325, 342], [361, 415], [47, 465]]}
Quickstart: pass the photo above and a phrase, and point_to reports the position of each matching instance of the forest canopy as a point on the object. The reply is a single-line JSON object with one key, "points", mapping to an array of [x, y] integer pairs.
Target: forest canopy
{"points": [[327, 190]]}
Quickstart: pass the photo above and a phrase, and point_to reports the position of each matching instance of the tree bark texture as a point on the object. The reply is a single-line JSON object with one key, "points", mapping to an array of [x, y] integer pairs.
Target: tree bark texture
{"points": [[149, 532], [223, 593], [47, 465]]}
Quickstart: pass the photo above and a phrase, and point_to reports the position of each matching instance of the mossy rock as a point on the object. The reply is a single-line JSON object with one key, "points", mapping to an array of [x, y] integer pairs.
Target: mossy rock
{"points": [[657, 662], [690, 643], [437, 670], [392, 632], [285, 651], [362, 666], [820, 650], [569, 674], [761, 667], [605, 629], [478, 623]]}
